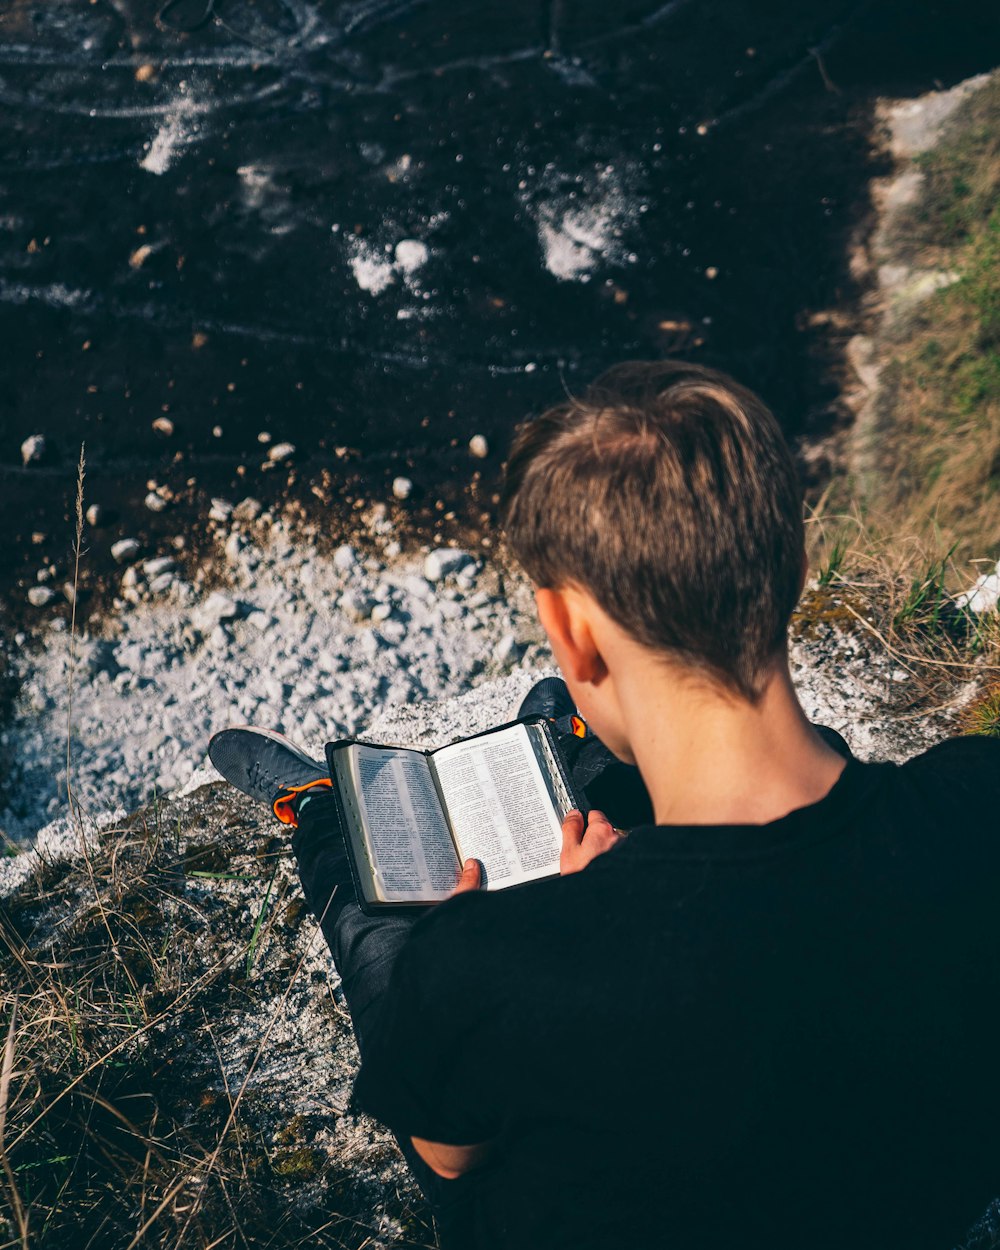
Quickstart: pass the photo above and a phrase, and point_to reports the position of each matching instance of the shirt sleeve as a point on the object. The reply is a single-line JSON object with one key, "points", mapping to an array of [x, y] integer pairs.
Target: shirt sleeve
{"points": [[427, 1069]]}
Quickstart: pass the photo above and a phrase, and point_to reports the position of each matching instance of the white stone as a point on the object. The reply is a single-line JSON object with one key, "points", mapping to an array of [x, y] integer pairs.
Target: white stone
{"points": [[344, 558], [260, 621], [130, 578], [248, 509], [217, 607], [164, 426], [159, 585], [355, 605], [506, 649], [125, 549], [33, 448], [233, 546], [479, 447], [41, 596], [371, 644], [95, 515], [411, 254], [419, 587], [161, 564], [402, 487], [443, 561], [155, 502], [381, 612], [218, 640], [984, 595], [280, 452], [221, 510]]}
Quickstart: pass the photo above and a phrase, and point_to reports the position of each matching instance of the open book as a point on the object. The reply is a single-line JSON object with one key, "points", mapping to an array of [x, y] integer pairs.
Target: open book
{"points": [[412, 817]]}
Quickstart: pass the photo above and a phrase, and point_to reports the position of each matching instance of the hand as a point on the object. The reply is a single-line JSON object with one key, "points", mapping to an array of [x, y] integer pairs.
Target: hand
{"points": [[471, 878], [584, 841]]}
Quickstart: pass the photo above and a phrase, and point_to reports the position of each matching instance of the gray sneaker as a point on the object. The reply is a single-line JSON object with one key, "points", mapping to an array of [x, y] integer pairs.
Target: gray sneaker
{"points": [[265, 765]]}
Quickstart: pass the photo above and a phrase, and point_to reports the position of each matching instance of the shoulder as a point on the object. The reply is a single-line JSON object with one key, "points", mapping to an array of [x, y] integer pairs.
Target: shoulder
{"points": [[957, 771], [969, 759]]}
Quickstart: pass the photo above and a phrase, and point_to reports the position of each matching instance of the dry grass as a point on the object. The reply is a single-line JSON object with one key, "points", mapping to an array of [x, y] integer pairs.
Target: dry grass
{"points": [[122, 983], [940, 453], [902, 594]]}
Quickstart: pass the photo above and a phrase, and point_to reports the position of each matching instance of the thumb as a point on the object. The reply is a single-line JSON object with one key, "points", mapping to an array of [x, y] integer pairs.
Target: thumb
{"points": [[470, 879]]}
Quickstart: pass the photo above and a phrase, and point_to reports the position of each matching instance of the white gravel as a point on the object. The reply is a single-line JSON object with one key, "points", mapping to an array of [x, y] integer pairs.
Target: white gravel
{"points": [[310, 646]]}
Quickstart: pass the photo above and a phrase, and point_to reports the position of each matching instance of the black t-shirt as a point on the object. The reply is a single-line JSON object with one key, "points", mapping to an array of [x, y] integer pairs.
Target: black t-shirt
{"points": [[714, 1037]]}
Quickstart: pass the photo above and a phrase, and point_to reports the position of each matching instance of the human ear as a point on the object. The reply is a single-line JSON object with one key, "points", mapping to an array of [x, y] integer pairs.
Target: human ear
{"points": [[565, 618]]}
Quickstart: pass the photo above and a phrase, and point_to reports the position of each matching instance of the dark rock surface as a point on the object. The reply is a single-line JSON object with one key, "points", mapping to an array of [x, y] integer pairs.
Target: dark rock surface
{"points": [[372, 230]]}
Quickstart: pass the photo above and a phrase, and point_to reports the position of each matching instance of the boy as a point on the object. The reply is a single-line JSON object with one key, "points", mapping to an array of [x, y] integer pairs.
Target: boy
{"points": [[768, 1016]]}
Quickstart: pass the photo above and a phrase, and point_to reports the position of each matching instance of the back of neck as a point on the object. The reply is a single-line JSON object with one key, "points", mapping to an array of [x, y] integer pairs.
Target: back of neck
{"points": [[711, 759]]}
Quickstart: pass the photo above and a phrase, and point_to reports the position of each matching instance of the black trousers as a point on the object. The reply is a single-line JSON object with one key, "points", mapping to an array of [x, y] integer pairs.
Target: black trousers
{"points": [[364, 949]]}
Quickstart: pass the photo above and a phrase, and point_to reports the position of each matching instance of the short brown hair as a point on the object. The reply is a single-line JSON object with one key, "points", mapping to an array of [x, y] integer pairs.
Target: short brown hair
{"points": [[668, 492]]}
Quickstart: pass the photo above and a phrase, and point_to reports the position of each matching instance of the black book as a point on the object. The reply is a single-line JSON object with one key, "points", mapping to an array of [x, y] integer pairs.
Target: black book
{"points": [[411, 817]]}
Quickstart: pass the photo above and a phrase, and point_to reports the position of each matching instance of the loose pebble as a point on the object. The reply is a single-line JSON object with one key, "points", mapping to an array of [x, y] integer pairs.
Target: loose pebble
{"points": [[356, 605], [402, 487], [248, 510], [411, 254], [506, 649], [164, 426], [217, 607], [234, 544], [155, 502], [41, 596], [95, 515], [280, 452], [33, 449], [444, 560], [125, 549], [221, 510], [479, 447], [344, 558], [159, 585], [161, 564]]}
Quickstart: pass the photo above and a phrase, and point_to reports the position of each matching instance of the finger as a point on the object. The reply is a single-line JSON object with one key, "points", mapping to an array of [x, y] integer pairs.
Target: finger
{"points": [[471, 877], [597, 822], [601, 833], [573, 826]]}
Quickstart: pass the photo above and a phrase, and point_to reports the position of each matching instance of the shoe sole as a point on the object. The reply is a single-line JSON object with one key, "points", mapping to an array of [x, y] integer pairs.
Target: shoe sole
{"points": [[274, 736]]}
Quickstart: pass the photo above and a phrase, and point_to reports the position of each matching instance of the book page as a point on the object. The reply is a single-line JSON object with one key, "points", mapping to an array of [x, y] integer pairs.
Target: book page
{"points": [[412, 855], [499, 806]]}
